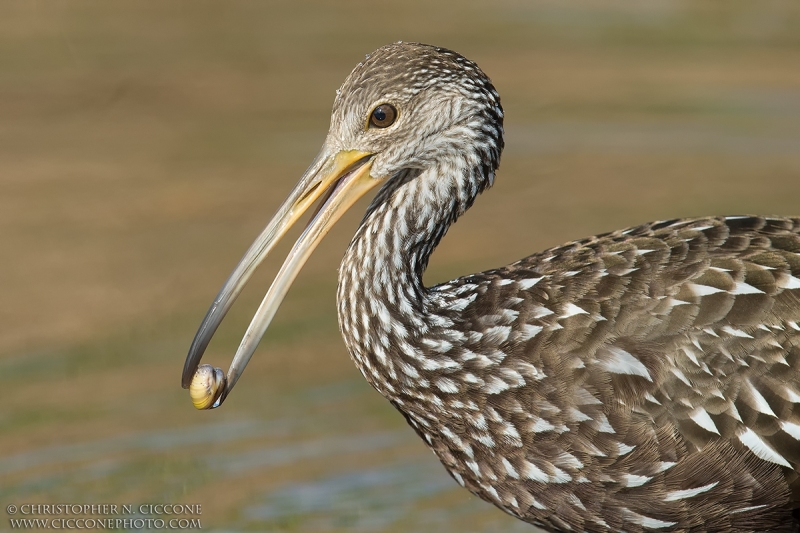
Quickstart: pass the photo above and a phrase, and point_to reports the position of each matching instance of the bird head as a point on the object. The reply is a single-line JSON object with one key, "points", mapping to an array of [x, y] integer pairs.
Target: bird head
{"points": [[410, 105]]}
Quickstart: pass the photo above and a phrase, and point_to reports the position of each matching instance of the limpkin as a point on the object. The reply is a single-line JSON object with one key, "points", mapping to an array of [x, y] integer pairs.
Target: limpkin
{"points": [[642, 380]]}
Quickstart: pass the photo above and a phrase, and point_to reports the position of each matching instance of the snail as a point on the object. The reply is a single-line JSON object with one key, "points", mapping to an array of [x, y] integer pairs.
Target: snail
{"points": [[207, 387]]}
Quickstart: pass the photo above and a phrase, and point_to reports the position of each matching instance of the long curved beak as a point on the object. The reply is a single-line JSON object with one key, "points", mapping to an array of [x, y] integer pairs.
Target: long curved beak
{"points": [[341, 178]]}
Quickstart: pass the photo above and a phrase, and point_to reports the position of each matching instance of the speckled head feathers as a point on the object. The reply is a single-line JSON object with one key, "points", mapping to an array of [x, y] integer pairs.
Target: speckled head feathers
{"points": [[444, 102]]}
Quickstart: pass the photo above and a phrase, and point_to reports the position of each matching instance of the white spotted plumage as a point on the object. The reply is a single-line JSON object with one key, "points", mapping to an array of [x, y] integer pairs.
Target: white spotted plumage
{"points": [[643, 380]]}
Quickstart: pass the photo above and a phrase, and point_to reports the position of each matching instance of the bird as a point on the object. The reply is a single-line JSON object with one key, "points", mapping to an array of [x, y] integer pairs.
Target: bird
{"points": [[646, 379]]}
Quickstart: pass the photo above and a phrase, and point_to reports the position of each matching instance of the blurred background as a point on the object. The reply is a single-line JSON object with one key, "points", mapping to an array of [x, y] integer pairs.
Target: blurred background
{"points": [[143, 145]]}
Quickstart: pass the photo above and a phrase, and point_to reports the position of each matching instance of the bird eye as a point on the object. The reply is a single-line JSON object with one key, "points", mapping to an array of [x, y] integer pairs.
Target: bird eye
{"points": [[383, 116]]}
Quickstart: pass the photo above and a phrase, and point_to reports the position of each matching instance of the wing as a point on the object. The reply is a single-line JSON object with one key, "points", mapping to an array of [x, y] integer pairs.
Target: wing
{"points": [[645, 378]]}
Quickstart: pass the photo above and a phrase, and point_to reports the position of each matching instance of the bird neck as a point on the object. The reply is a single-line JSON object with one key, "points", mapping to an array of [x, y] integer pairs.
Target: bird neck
{"points": [[383, 305]]}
